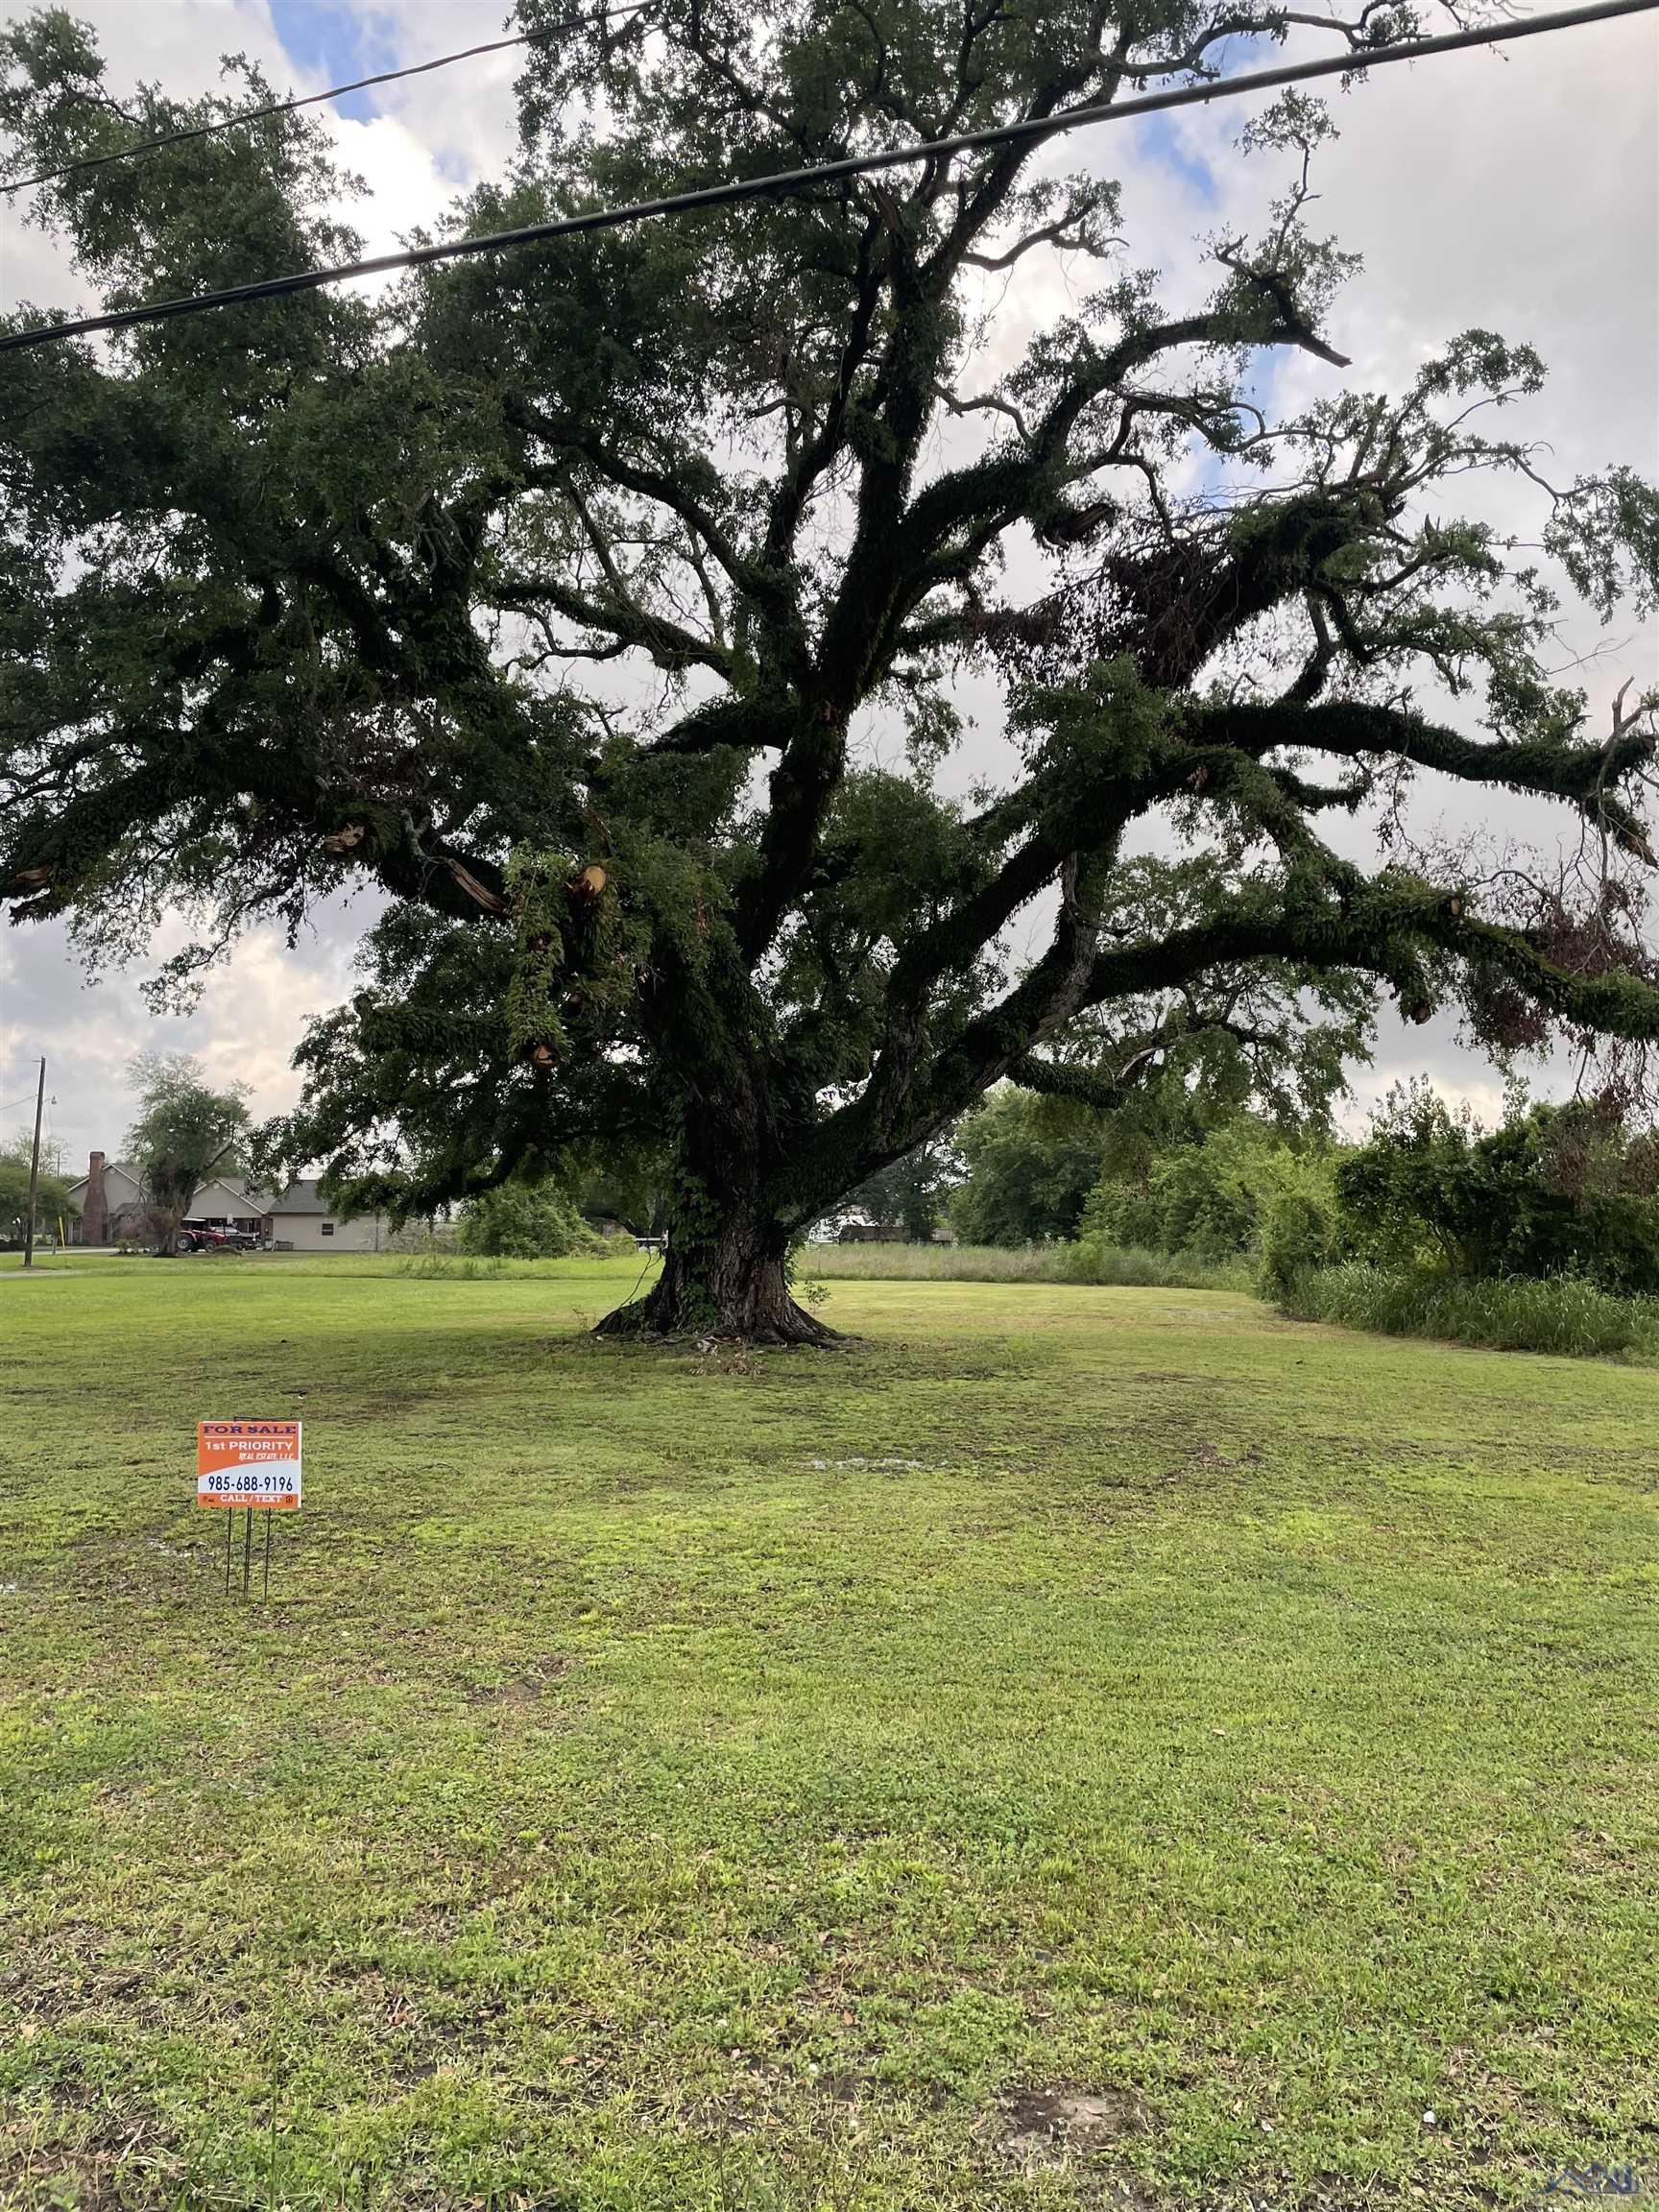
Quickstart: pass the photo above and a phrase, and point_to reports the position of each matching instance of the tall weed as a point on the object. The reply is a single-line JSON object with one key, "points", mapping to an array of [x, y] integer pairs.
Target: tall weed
{"points": [[1092, 1260], [1563, 1313]]}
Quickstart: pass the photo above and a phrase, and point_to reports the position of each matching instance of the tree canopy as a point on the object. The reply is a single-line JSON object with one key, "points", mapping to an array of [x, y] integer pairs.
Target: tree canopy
{"points": [[558, 595], [185, 1132]]}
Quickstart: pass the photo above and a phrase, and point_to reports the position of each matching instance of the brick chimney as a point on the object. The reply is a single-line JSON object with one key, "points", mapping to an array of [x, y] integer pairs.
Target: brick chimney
{"points": [[96, 1206]]}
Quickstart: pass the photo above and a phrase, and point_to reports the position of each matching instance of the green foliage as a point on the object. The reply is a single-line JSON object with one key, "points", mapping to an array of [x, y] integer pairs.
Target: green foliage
{"points": [[185, 1132], [540, 914], [52, 1202], [1562, 1314], [1031, 1165], [1555, 1190], [521, 1221], [1208, 1197], [1300, 1228]]}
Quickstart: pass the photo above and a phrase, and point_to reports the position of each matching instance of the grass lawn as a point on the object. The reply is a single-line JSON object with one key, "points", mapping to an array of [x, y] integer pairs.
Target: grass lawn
{"points": [[1073, 1747]]}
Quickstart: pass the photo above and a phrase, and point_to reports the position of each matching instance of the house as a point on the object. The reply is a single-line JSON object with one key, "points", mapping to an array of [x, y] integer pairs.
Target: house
{"points": [[885, 1233], [110, 1198], [114, 1210], [297, 1219]]}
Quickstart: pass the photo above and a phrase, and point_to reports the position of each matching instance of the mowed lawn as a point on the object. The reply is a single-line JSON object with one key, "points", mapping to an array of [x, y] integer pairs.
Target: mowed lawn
{"points": [[1071, 1748]]}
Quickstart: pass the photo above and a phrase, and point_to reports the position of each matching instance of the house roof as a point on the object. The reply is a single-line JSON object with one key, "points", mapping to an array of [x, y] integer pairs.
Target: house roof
{"points": [[244, 1201], [110, 1168], [232, 1186], [302, 1196]]}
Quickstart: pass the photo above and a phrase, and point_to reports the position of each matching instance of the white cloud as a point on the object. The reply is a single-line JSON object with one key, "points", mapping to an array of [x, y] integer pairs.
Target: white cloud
{"points": [[251, 1013]]}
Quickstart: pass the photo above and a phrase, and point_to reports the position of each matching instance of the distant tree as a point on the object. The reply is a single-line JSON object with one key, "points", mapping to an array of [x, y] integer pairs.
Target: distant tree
{"points": [[185, 1132], [53, 1202], [1030, 1162], [518, 1221], [320, 587], [1556, 1188], [912, 1194]]}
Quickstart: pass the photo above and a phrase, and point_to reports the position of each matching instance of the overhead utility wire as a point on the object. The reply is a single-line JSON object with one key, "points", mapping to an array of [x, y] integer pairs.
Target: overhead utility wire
{"points": [[784, 181], [595, 22]]}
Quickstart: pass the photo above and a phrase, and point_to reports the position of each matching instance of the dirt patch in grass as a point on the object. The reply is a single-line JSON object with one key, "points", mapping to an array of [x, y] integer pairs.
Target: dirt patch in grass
{"points": [[108, 2161], [1053, 2127]]}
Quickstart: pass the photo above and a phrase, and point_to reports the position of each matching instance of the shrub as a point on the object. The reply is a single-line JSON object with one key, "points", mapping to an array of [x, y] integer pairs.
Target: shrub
{"points": [[440, 1263], [1562, 1314], [1301, 1229], [524, 1222], [1556, 1190], [1206, 1198]]}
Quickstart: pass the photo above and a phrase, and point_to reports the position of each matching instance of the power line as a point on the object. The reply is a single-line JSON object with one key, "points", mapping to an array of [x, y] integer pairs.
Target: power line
{"points": [[785, 181], [606, 15]]}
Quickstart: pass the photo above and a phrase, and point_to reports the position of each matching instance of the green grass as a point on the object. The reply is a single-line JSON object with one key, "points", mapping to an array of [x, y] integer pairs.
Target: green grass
{"points": [[930, 1262], [1088, 1260], [665, 1781], [1518, 1314]]}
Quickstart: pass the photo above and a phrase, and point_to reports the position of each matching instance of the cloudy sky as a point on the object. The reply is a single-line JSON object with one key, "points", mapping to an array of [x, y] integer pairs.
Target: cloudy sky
{"points": [[1517, 191]]}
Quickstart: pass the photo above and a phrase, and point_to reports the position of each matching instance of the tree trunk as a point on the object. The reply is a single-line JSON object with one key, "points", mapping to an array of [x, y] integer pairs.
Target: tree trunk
{"points": [[724, 1273], [728, 1288]]}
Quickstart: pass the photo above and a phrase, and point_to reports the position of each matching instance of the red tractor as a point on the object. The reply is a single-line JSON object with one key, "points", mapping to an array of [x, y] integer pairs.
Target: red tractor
{"points": [[209, 1236]]}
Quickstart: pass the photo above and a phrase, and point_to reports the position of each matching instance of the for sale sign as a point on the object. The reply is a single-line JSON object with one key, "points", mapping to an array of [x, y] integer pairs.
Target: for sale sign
{"points": [[254, 1463]]}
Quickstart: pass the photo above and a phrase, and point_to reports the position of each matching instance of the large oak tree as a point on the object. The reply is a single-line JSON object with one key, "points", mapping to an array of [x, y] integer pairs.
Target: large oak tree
{"points": [[562, 594]]}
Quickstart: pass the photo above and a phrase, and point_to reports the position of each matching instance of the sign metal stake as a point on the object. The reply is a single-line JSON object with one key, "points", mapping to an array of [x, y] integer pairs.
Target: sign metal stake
{"points": [[268, 1520], [247, 1548], [230, 1523]]}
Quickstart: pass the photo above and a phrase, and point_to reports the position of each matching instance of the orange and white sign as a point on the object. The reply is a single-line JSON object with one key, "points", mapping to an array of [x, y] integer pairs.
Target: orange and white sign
{"points": [[254, 1464]]}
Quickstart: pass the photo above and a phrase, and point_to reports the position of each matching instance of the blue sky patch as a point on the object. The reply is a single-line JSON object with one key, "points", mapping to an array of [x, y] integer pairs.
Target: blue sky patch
{"points": [[338, 42], [1160, 138]]}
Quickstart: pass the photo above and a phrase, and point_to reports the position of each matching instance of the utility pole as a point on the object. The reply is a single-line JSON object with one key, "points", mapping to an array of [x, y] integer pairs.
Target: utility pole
{"points": [[35, 1169]]}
